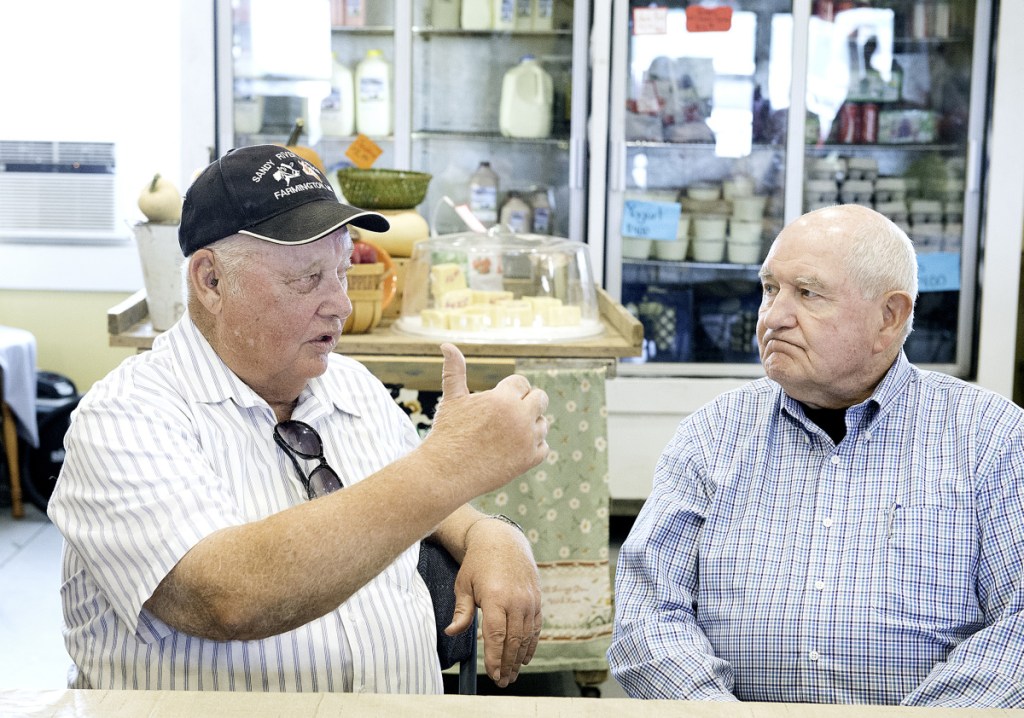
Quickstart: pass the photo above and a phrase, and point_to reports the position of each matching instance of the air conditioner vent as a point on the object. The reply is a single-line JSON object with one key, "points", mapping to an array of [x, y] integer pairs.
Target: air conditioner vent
{"points": [[57, 190]]}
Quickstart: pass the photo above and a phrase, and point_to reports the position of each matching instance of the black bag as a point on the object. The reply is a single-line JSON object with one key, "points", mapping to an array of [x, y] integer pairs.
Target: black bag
{"points": [[56, 398]]}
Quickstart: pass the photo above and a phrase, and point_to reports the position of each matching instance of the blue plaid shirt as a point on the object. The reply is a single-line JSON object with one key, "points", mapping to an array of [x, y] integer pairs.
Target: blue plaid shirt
{"points": [[770, 564]]}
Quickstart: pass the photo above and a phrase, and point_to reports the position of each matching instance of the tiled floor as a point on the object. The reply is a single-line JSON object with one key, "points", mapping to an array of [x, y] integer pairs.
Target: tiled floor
{"points": [[32, 651]]}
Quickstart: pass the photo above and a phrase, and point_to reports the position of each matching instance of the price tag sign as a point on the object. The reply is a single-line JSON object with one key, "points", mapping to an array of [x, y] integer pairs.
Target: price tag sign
{"points": [[650, 20], [650, 220], [708, 19], [938, 272], [363, 152]]}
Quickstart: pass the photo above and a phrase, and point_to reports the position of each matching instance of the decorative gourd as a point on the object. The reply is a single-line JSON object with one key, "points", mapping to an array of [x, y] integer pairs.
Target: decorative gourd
{"points": [[160, 201], [306, 153]]}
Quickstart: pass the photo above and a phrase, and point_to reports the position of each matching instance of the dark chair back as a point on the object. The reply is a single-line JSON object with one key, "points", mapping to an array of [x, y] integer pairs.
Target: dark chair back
{"points": [[438, 569]]}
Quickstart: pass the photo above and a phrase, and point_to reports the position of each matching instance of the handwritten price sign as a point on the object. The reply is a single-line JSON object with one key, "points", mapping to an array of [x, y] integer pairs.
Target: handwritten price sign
{"points": [[650, 220]]}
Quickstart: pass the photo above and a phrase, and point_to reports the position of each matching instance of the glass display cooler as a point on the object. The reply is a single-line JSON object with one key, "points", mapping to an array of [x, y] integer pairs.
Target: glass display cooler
{"points": [[730, 119], [448, 64]]}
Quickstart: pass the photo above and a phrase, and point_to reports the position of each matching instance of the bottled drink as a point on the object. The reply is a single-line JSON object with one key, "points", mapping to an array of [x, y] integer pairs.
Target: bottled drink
{"points": [[524, 14], [483, 194], [543, 14], [504, 14], [476, 14], [338, 110], [527, 94], [542, 214], [516, 213], [444, 14], [355, 12], [373, 95]]}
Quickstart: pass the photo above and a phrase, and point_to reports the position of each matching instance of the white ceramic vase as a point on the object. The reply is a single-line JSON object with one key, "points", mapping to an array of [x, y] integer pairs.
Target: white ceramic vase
{"points": [[162, 266]]}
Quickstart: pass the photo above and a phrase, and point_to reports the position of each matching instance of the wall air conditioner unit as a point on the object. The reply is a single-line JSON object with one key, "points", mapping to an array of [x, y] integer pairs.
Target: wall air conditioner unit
{"points": [[57, 191]]}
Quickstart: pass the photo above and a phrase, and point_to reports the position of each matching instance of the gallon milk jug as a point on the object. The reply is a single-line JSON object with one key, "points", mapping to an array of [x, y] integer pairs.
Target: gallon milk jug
{"points": [[338, 110], [476, 14], [483, 194], [526, 97], [373, 95], [444, 14]]}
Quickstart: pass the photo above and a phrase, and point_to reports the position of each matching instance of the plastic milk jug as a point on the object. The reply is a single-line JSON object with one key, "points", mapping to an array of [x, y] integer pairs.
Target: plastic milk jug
{"points": [[338, 110], [526, 96], [504, 17], [483, 194], [373, 95], [516, 214], [476, 14], [444, 14]]}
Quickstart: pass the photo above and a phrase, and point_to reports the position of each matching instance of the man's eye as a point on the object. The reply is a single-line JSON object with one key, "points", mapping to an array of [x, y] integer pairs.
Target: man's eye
{"points": [[808, 293], [767, 289]]}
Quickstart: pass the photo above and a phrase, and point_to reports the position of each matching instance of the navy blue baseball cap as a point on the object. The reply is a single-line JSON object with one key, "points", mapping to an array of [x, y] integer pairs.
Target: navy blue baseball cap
{"points": [[267, 192]]}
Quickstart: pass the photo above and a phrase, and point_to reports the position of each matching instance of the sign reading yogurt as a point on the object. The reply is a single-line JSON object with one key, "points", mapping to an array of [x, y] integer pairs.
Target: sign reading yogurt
{"points": [[650, 220]]}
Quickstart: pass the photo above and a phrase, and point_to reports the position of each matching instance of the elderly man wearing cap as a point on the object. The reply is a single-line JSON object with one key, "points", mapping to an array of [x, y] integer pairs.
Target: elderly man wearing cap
{"points": [[242, 507]]}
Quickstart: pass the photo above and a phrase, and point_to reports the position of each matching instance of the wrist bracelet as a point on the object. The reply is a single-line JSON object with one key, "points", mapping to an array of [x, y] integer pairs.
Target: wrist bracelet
{"points": [[506, 519]]}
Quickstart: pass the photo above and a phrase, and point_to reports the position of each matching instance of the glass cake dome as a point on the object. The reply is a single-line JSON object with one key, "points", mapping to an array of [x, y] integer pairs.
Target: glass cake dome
{"points": [[500, 287]]}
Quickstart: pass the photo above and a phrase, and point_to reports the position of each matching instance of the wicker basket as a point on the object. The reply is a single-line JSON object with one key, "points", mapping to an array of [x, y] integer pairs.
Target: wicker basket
{"points": [[366, 291], [383, 189]]}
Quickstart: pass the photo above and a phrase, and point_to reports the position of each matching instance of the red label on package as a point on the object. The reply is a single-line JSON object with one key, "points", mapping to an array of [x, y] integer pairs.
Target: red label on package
{"points": [[708, 19], [363, 152], [650, 20]]}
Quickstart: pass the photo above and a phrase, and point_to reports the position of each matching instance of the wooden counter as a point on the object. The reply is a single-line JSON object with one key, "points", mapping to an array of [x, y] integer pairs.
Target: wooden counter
{"points": [[168, 704], [415, 362]]}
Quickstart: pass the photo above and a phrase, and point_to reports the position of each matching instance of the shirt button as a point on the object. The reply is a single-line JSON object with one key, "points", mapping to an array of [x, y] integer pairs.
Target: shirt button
{"points": [[827, 522], [820, 585], [835, 459], [813, 655], [867, 436]]}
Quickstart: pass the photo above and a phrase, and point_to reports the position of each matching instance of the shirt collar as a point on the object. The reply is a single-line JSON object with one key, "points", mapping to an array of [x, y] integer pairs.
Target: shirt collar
{"points": [[885, 394], [207, 379]]}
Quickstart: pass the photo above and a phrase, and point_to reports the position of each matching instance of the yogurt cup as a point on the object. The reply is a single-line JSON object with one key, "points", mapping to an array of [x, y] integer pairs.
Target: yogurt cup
{"points": [[748, 209], [709, 227], [745, 232], [636, 248], [743, 252], [709, 250], [704, 191], [671, 250]]}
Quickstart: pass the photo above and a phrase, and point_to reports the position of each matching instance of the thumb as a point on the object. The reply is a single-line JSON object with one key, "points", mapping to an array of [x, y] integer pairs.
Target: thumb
{"points": [[465, 612], [453, 374]]}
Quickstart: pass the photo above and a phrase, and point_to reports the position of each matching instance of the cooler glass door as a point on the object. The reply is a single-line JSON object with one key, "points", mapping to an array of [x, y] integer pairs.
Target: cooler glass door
{"points": [[697, 182]]}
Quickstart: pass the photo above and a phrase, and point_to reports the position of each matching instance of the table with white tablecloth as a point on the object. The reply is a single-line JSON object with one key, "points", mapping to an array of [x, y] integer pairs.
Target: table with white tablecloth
{"points": [[18, 401]]}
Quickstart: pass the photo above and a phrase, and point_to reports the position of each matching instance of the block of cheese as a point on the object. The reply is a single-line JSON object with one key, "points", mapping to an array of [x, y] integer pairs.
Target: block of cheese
{"points": [[486, 296], [434, 319], [568, 315], [513, 313], [455, 299], [446, 278], [465, 320]]}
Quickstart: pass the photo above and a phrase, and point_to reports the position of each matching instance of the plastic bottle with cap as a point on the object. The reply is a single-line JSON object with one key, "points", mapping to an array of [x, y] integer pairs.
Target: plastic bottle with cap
{"points": [[338, 110], [483, 194], [373, 95], [540, 202], [504, 15], [516, 214]]}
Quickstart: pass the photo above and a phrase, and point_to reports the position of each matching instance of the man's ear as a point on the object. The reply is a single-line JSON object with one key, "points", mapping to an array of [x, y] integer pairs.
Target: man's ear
{"points": [[204, 276], [896, 308]]}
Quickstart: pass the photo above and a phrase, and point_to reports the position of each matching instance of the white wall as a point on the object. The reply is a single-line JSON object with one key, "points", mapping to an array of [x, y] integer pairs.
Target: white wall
{"points": [[108, 71]]}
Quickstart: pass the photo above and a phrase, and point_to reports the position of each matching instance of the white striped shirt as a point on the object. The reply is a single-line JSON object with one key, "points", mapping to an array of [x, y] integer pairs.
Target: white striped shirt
{"points": [[172, 446]]}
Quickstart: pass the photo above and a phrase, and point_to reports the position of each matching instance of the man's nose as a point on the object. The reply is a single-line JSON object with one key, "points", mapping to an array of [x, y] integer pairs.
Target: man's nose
{"points": [[780, 311]]}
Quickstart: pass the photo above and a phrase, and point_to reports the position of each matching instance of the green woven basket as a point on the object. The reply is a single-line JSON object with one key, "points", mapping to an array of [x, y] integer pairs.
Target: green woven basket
{"points": [[383, 189]]}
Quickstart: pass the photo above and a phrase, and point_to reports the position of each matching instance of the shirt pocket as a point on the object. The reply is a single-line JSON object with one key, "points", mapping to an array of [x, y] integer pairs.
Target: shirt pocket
{"points": [[927, 557]]}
